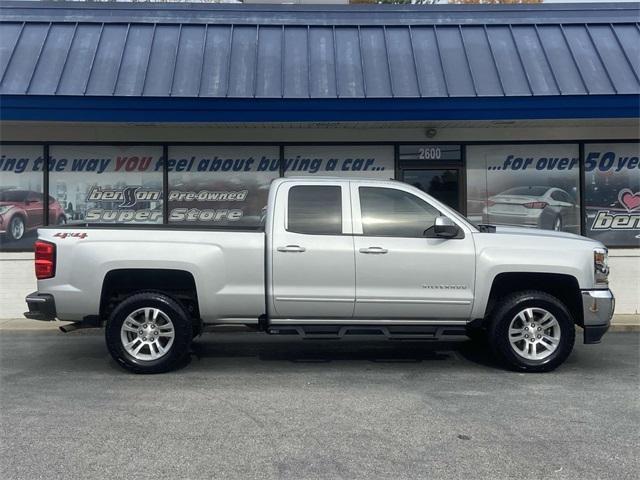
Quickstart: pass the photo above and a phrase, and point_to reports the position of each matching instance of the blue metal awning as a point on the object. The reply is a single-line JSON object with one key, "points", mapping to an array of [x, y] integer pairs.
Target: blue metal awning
{"points": [[116, 62]]}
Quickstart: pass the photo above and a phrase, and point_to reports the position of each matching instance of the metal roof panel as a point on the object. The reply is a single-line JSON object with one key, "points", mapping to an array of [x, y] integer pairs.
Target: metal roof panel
{"points": [[76, 68], [401, 62], [322, 63], [269, 67], [296, 62], [375, 62], [349, 74], [188, 65], [23, 58], [215, 68]]}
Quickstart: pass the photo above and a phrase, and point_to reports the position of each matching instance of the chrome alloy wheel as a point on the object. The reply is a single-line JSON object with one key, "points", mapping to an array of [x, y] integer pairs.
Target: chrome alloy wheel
{"points": [[534, 334], [17, 228], [147, 334]]}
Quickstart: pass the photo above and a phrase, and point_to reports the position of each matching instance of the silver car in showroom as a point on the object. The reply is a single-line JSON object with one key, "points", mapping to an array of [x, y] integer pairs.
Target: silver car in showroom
{"points": [[544, 207]]}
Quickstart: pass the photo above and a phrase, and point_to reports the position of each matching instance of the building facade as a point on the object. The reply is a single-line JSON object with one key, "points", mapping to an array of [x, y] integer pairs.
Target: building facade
{"points": [[183, 114]]}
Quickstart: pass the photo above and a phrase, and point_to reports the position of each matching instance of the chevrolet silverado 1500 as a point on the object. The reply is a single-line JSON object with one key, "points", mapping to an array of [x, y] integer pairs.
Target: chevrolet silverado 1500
{"points": [[334, 257]]}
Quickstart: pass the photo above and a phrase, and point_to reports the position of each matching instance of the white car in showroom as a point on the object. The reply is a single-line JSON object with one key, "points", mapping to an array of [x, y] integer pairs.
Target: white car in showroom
{"points": [[544, 207]]}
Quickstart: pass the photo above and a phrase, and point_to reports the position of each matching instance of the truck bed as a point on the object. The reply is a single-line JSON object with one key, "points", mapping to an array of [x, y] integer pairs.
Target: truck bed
{"points": [[227, 266]]}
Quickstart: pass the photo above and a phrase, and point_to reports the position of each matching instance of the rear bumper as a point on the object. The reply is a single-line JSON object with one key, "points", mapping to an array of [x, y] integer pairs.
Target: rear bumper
{"points": [[42, 306], [597, 308]]}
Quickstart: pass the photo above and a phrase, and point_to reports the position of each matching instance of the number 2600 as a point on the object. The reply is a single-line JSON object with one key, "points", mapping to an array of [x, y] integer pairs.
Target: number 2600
{"points": [[429, 153]]}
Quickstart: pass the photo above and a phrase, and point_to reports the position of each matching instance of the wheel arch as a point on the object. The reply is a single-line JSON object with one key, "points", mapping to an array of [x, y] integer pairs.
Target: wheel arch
{"points": [[121, 283], [20, 214], [562, 286]]}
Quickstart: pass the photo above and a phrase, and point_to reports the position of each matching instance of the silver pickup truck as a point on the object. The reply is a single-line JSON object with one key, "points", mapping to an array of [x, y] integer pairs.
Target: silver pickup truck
{"points": [[334, 257]]}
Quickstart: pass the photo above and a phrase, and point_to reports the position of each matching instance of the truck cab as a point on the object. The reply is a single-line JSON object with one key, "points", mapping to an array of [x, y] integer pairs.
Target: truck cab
{"points": [[366, 251]]}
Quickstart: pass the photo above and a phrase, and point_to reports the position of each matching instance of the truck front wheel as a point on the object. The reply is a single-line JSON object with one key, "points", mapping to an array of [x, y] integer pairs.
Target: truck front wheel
{"points": [[149, 332], [531, 331]]}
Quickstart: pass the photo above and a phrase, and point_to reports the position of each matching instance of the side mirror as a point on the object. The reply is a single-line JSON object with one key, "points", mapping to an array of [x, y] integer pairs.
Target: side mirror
{"points": [[445, 228]]}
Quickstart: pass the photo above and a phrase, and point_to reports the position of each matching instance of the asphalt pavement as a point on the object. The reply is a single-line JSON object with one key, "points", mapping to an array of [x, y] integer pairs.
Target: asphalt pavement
{"points": [[251, 406]]}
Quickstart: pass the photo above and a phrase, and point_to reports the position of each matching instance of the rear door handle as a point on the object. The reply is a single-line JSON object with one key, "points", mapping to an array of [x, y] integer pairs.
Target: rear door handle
{"points": [[292, 248], [374, 250]]}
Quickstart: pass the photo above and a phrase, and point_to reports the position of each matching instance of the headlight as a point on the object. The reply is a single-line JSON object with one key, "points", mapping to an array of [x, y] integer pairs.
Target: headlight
{"points": [[5, 208], [601, 267]]}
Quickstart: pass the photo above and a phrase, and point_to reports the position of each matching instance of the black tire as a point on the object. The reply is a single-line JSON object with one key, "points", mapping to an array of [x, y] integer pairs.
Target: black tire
{"points": [[196, 331], [183, 331], [504, 313], [13, 222]]}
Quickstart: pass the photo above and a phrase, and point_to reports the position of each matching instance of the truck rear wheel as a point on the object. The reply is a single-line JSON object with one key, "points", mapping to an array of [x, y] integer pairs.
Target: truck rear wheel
{"points": [[531, 331], [149, 332]]}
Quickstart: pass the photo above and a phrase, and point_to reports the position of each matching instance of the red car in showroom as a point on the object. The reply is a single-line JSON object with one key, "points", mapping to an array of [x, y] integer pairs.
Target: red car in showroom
{"points": [[23, 210]]}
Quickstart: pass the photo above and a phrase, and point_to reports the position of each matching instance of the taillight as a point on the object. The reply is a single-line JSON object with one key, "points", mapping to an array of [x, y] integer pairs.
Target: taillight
{"points": [[490, 203], [535, 205], [45, 259]]}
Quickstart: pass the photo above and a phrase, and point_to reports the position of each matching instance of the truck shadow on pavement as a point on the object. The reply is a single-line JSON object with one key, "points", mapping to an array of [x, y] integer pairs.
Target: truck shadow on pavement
{"points": [[298, 351]]}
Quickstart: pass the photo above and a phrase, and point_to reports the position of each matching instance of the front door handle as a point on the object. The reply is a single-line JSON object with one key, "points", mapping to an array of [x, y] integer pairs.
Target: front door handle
{"points": [[374, 250], [292, 248]]}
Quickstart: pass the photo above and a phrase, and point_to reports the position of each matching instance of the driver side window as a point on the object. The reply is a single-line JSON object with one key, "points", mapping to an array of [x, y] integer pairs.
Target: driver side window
{"points": [[387, 212]]}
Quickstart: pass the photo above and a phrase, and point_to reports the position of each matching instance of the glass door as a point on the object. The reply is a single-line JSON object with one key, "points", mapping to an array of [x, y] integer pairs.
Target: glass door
{"points": [[443, 184], [436, 169]]}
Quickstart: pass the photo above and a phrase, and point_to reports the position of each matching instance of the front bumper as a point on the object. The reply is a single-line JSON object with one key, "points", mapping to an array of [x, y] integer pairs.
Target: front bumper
{"points": [[42, 306], [597, 308]]}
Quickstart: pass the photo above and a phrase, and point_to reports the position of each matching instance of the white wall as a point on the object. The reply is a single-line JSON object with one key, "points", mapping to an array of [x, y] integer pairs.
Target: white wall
{"points": [[17, 280], [625, 279]]}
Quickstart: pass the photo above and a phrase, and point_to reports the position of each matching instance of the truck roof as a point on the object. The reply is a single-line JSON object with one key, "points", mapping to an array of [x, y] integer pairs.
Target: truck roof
{"points": [[327, 178]]}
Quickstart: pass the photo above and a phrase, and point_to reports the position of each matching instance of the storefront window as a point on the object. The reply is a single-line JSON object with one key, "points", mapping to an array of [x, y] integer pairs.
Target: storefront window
{"points": [[368, 161], [524, 185], [612, 193], [107, 184], [221, 185], [21, 196]]}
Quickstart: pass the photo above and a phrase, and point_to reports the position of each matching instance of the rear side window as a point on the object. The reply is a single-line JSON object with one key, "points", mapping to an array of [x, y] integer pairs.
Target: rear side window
{"points": [[315, 210], [387, 212]]}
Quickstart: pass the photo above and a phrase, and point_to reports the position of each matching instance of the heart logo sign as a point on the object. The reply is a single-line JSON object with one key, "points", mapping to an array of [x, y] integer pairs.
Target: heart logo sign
{"points": [[620, 220], [629, 200]]}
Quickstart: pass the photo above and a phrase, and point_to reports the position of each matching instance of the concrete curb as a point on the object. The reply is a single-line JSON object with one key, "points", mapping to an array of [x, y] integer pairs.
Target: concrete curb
{"points": [[625, 328], [621, 323]]}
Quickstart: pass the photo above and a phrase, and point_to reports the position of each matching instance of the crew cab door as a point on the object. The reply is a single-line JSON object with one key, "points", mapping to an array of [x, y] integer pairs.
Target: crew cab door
{"points": [[312, 264], [400, 273]]}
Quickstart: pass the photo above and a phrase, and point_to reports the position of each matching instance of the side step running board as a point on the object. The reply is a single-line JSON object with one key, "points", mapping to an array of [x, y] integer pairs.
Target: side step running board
{"points": [[391, 332]]}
